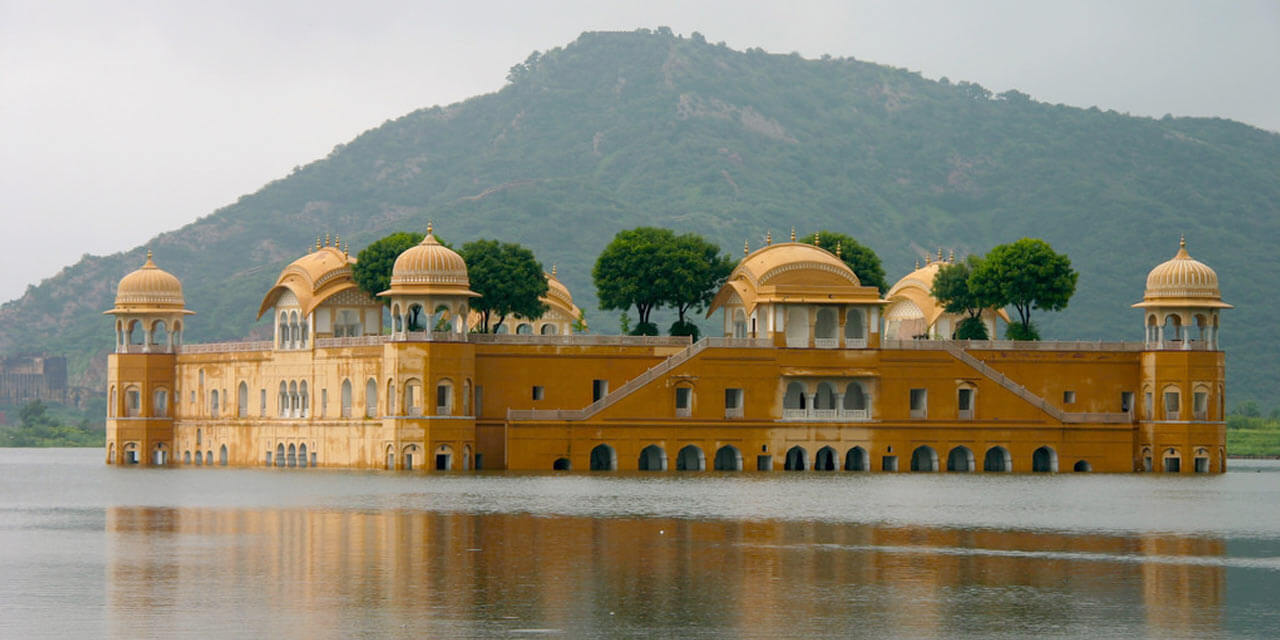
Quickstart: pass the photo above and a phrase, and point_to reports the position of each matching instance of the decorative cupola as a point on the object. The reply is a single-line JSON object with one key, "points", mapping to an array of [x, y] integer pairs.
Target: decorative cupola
{"points": [[1182, 301], [149, 309], [430, 290]]}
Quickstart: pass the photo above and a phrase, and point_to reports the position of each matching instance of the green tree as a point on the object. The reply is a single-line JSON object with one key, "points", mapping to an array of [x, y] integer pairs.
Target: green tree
{"points": [[1027, 275], [864, 262], [696, 270], [372, 270], [951, 288], [508, 278], [631, 272]]}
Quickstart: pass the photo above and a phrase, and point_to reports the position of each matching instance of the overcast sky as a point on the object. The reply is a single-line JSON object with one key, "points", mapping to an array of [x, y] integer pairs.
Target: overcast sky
{"points": [[119, 120]]}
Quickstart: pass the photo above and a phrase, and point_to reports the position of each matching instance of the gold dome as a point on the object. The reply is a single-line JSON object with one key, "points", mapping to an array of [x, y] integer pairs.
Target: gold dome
{"points": [[149, 289], [429, 268], [557, 291], [792, 272], [1182, 281], [313, 278]]}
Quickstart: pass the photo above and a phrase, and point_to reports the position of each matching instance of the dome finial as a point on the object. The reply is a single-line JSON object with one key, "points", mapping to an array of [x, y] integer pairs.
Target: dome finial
{"points": [[768, 238], [817, 242], [337, 242], [952, 258], [939, 254], [839, 250], [326, 238], [553, 271], [317, 242], [793, 234], [917, 263], [1182, 241], [148, 254], [430, 228], [746, 247]]}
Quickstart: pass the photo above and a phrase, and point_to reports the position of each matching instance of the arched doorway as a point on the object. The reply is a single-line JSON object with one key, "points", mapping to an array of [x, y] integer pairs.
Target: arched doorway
{"points": [[412, 455], [997, 459], [280, 455], [653, 458], [691, 458], [856, 460], [561, 464], [222, 455], [1044, 460], [1172, 460], [728, 458], [924, 458], [604, 458], [797, 459], [444, 458], [1082, 466], [825, 459], [293, 456], [797, 330], [960, 459], [302, 455]]}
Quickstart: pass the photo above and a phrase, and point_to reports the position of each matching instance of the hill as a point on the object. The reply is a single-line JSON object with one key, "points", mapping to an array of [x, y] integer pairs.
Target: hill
{"points": [[617, 130]]}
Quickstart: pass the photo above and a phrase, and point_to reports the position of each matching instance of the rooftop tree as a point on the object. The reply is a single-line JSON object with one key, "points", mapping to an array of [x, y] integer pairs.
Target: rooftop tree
{"points": [[951, 288], [631, 272], [697, 271], [372, 270], [508, 278], [1026, 275]]}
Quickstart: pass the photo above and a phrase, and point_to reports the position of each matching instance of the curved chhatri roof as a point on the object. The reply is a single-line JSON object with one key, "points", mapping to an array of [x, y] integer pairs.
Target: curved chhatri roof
{"points": [[1182, 282], [429, 268], [917, 288], [313, 278], [149, 289], [558, 295], [793, 272]]}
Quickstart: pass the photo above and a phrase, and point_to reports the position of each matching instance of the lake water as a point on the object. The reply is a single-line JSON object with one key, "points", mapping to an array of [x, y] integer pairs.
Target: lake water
{"points": [[87, 549]]}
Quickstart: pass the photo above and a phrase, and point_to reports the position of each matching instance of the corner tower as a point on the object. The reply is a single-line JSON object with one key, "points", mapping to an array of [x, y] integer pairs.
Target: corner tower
{"points": [[1181, 424], [149, 311]]}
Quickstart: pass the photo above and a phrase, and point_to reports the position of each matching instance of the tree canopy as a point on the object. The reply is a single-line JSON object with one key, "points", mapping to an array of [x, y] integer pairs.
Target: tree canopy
{"points": [[864, 262], [951, 288], [508, 278], [372, 271], [1026, 275], [649, 268]]}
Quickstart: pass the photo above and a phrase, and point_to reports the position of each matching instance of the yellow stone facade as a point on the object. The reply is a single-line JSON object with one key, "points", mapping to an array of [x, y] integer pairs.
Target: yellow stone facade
{"points": [[812, 373]]}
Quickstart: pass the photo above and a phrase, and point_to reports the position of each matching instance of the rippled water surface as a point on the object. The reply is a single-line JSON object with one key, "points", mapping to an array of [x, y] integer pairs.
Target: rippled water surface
{"points": [[88, 549]]}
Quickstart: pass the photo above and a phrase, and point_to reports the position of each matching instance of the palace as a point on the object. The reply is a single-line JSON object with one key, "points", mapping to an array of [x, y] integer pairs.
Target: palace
{"points": [[814, 371]]}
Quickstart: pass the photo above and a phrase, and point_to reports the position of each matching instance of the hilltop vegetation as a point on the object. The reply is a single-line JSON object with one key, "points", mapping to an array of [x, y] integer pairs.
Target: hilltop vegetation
{"points": [[620, 130]]}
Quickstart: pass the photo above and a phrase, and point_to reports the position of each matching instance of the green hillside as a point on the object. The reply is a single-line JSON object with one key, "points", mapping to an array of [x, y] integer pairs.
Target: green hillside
{"points": [[621, 129]]}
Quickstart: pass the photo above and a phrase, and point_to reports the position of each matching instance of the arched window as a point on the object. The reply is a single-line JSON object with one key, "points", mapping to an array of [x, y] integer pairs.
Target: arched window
{"points": [[119, 334], [135, 332], [242, 400], [282, 330], [924, 458], [391, 397], [1172, 402], [856, 460], [280, 455], [854, 398], [283, 400], [294, 400], [441, 318], [466, 397], [1172, 328], [159, 333], [1153, 330], [603, 458], [346, 398], [997, 459], [371, 398], [549, 329], [797, 459], [794, 402], [960, 459], [302, 455], [825, 459], [825, 398], [222, 455], [1044, 460], [444, 398], [524, 329], [653, 458], [797, 329], [160, 403], [825, 328], [112, 401], [691, 458], [397, 320], [177, 333], [414, 319], [295, 332], [213, 403], [293, 455], [728, 458], [853, 325], [304, 403], [412, 397], [739, 324]]}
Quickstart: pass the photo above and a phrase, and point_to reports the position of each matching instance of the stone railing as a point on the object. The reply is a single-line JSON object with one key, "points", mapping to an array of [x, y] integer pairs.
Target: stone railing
{"points": [[428, 336], [1012, 345], [143, 348], [580, 340], [827, 415], [826, 343], [351, 341], [227, 347]]}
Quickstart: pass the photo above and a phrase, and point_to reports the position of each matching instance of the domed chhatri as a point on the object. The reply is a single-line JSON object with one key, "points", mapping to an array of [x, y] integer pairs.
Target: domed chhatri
{"points": [[1182, 301], [1183, 281], [913, 311], [149, 289], [311, 280], [429, 268]]}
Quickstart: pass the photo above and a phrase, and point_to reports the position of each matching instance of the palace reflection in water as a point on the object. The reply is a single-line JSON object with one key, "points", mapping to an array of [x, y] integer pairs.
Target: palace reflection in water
{"points": [[343, 573]]}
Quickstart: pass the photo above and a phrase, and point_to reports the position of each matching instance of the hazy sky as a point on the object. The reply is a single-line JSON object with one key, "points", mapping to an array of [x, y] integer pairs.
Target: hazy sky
{"points": [[119, 120]]}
